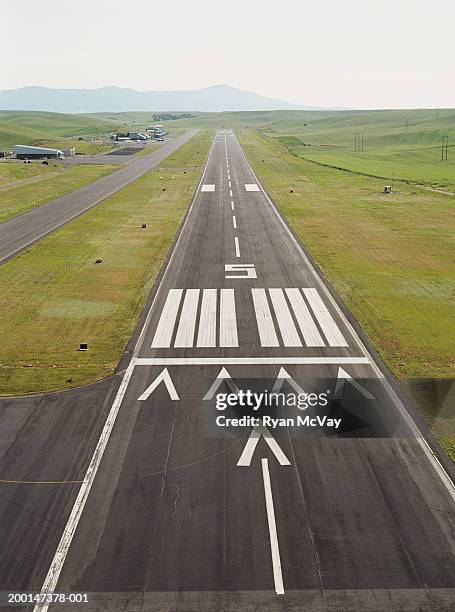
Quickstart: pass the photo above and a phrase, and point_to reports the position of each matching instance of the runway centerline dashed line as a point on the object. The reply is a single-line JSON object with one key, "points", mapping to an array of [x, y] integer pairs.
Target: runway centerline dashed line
{"points": [[237, 247]]}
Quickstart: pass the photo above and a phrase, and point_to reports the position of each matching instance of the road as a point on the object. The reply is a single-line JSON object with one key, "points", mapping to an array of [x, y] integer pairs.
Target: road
{"points": [[151, 505], [22, 231]]}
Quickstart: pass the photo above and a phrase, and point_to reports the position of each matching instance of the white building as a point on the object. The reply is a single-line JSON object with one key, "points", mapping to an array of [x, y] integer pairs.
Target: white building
{"points": [[137, 136], [27, 152]]}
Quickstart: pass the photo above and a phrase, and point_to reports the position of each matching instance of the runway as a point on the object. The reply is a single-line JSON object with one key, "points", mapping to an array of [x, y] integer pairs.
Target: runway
{"points": [[169, 510], [22, 231]]}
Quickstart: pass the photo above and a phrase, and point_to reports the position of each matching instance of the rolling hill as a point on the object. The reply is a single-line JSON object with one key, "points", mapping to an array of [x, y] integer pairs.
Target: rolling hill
{"points": [[116, 99]]}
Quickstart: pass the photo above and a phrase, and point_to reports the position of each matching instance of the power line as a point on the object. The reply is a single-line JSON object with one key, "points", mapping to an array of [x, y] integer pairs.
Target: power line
{"points": [[358, 141], [444, 148]]}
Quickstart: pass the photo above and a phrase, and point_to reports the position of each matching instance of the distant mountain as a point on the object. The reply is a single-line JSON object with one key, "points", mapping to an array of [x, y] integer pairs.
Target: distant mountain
{"points": [[116, 99]]}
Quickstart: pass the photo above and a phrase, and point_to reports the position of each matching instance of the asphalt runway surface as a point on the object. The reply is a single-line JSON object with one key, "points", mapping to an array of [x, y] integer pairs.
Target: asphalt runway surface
{"points": [[131, 492], [21, 232]]}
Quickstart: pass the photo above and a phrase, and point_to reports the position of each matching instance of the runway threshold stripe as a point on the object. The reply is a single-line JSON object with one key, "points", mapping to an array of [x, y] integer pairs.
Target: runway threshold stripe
{"points": [[207, 321], [287, 327], [165, 327], [228, 321], [306, 323], [324, 318], [264, 319], [187, 323]]}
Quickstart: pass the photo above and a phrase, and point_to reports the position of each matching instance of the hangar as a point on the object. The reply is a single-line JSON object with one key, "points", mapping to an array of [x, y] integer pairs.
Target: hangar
{"points": [[27, 152]]}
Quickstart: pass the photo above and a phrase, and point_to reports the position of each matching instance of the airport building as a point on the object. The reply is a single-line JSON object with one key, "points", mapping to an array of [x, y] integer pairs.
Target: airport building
{"points": [[69, 152], [27, 152], [137, 136], [156, 131]]}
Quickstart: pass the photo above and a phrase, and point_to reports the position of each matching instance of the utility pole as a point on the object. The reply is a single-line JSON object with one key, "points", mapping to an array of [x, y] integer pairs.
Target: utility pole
{"points": [[358, 141], [444, 148], [436, 113], [406, 126]]}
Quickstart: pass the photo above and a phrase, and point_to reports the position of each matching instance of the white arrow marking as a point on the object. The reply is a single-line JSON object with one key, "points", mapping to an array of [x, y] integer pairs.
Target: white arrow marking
{"points": [[163, 377], [284, 376], [248, 451], [344, 377], [222, 376]]}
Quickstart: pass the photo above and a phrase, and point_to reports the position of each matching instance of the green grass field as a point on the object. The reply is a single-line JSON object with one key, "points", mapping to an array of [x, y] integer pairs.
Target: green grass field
{"points": [[389, 151], [83, 147], [389, 258], [46, 186], [12, 172], [55, 296], [419, 165], [27, 127]]}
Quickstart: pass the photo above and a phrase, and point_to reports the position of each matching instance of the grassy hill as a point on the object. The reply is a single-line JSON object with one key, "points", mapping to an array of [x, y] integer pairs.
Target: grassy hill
{"points": [[26, 127], [62, 130], [398, 144]]}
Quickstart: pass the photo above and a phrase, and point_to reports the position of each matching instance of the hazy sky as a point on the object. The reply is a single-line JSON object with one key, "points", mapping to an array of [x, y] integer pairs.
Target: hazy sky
{"points": [[349, 53]]}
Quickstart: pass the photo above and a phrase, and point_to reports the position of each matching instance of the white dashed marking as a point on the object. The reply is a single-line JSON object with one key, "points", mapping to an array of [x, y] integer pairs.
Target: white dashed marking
{"points": [[237, 247]]}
